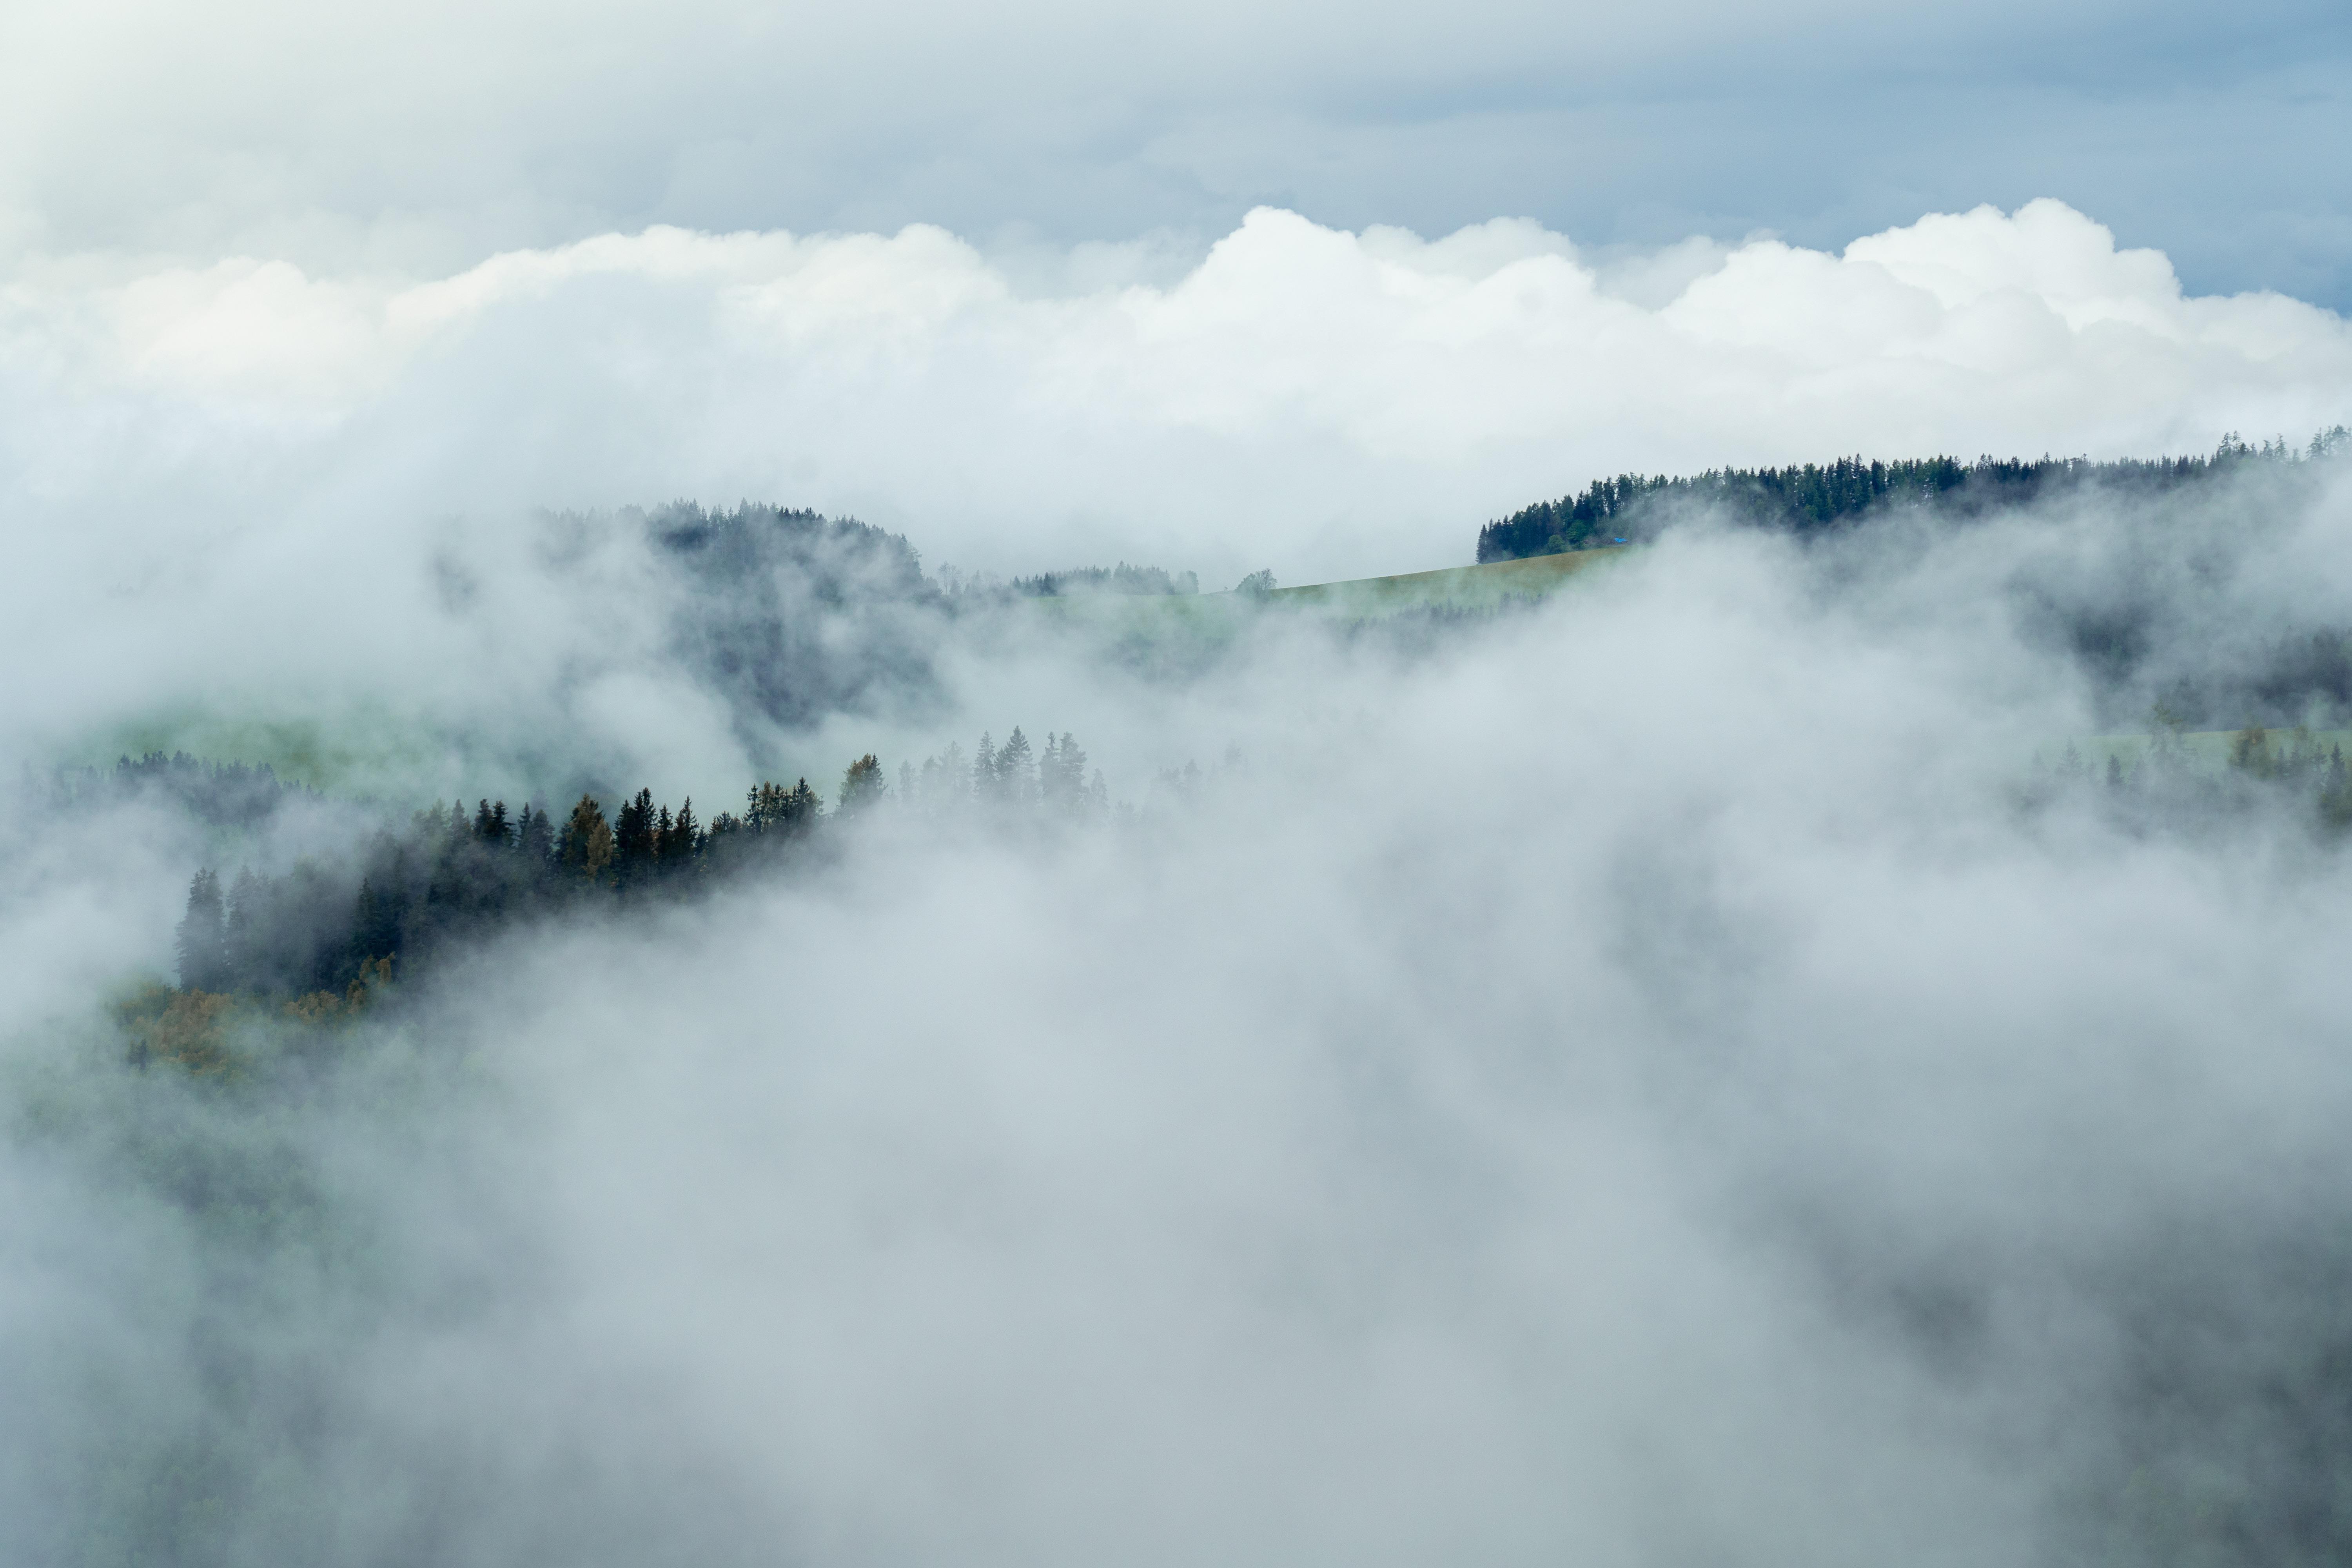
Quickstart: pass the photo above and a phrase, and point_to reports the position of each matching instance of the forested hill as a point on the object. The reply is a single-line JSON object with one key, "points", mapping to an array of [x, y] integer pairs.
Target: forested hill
{"points": [[1817, 495], [218, 795]]}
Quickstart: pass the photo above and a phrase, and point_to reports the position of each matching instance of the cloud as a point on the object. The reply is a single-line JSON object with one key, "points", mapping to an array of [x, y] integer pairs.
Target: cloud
{"points": [[225, 475], [1635, 1083], [1324, 402], [422, 138]]}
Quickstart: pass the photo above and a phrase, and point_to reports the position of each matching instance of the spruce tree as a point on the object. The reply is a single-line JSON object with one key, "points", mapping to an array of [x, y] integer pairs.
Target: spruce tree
{"points": [[861, 785], [587, 849], [1016, 772], [535, 839], [242, 929], [202, 937], [634, 842]]}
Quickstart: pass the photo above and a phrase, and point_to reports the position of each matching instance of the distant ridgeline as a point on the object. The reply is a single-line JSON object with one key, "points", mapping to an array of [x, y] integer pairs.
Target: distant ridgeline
{"points": [[1817, 495], [219, 794], [793, 616], [1144, 580]]}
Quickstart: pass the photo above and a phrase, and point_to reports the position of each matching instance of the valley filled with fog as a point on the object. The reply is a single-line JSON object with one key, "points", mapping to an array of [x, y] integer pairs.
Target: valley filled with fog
{"points": [[1675, 1068], [1062, 786]]}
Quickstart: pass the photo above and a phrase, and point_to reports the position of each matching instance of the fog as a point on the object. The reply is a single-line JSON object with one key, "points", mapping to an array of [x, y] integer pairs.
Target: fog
{"points": [[1640, 1078], [251, 492]]}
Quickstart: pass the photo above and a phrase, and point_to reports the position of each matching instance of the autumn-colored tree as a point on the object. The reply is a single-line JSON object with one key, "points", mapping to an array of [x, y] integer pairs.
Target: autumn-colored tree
{"points": [[861, 785], [587, 849], [2249, 752]]}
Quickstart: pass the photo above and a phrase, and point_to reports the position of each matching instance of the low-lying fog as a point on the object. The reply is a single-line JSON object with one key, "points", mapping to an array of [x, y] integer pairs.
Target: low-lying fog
{"points": [[1641, 1080]]}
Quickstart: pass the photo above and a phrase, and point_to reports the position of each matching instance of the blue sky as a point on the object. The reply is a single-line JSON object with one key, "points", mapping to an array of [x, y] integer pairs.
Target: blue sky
{"points": [[427, 135]]}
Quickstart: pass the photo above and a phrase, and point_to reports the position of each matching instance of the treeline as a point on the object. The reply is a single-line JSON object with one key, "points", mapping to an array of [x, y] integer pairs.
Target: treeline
{"points": [[1818, 495], [450, 877], [219, 794], [1144, 580], [2168, 783]]}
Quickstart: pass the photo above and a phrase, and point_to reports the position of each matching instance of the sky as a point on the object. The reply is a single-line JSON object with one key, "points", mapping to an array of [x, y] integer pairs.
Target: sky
{"points": [[1310, 289], [425, 137]]}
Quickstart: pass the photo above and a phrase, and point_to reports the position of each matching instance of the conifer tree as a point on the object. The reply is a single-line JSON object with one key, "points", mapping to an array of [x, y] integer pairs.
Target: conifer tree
{"points": [[634, 842], [241, 927], [861, 785], [202, 937], [1061, 776], [587, 850], [376, 924], [1016, 772], [535, 839]]}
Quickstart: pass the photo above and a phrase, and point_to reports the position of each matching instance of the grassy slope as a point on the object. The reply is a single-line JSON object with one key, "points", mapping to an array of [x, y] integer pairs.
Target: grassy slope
{"points": [[1448, 588]]}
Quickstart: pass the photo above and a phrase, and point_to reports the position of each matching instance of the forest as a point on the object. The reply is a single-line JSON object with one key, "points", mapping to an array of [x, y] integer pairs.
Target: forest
{"points": [[1814, 495], [792, 616], [329, 933], [1142, 581], [330, 936]]}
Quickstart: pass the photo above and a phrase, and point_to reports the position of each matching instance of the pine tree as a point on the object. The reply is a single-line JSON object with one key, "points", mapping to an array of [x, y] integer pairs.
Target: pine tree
{"points": [[684, 839], [633, 844], [376, 924], [1061, 776], [535, 839], [241, 932], [202, 937], [587, 850], [861, 785], [985, 776], [1017, 774]]}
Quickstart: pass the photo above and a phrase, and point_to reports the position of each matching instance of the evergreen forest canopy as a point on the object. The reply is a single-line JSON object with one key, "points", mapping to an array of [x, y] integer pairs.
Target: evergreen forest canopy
{"points": [[1814, 495], [795, 616], [218, 795], [1142, 581], [332, 931], [788, 615]]}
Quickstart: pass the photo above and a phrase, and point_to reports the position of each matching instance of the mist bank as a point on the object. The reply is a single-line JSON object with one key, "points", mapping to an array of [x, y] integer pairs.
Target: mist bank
{"points": [[1633, 1078]]}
